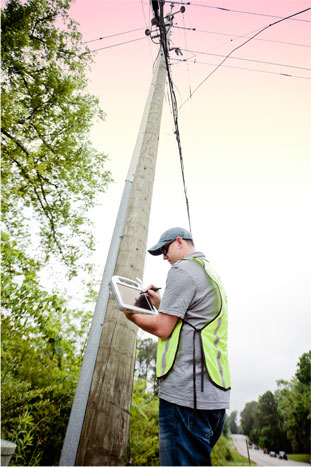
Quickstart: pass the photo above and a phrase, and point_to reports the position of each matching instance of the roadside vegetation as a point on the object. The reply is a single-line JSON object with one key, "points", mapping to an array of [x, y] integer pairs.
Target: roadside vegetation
{"points": [[225, 453], [300, 458], [51, 178], [280, 421]]}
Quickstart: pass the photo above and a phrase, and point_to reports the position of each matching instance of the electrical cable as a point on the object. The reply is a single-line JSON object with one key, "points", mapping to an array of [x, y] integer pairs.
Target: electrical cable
{"points": [[265, 40], [245, 12], [113, 35], [245, 36], [163, 41], [241, 45], [190, 60], [116, 45], [246, 59]]}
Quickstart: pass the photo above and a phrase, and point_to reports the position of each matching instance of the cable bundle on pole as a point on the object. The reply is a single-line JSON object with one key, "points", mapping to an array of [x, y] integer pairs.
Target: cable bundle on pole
{"points": [[164, 46]]}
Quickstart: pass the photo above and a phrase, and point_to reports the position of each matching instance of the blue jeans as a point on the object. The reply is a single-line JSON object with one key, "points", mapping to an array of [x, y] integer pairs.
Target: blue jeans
{"points": [[187, 438]]}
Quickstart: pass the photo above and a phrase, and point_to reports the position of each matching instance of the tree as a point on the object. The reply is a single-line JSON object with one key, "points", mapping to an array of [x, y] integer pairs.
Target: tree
{"points": [[51, 176], [42, 343], [249, 421], [143, 446], [225, 430], [145, 364], [268, 422], [50, 171], [233, 422], [303, 373], [294, 405], [281, 421]]}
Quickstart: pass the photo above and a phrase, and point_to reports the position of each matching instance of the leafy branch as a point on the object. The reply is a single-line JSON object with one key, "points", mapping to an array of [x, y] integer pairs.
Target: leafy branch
{"points": [[46, 119]]}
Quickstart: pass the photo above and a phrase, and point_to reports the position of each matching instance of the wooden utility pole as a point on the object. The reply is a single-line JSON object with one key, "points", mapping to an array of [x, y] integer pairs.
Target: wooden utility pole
{"points": [[104, 432]]}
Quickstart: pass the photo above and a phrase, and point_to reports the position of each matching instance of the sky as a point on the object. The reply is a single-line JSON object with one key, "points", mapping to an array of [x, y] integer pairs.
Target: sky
{"points": [[245, 137]]}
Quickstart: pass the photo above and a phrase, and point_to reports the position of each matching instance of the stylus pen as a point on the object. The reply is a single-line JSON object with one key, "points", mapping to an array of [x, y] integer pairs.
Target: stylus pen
{"points": [[155, 289]]}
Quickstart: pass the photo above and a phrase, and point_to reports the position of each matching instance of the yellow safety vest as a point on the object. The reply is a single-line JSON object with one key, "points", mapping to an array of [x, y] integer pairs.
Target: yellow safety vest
{"points": [[213, 339]]}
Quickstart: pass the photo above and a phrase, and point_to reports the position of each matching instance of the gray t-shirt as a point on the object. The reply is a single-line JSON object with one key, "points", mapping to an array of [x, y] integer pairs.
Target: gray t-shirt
{"points": [[190, 295]]}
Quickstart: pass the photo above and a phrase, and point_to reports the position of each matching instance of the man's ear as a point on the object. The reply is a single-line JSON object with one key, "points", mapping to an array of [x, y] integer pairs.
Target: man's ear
{"points": [[179, 240]]}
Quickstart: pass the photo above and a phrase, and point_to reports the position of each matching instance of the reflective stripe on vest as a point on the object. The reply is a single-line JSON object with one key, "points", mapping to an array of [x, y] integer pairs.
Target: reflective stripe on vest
{"points": [[167, 351], [213, 339]]}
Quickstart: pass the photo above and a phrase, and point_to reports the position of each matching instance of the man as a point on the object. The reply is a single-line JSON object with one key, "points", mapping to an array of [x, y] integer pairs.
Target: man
{"points": [[192, 361]]}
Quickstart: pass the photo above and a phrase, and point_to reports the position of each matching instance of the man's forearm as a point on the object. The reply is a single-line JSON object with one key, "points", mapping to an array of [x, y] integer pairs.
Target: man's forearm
{"points": [[146, 322], [160, 325]]}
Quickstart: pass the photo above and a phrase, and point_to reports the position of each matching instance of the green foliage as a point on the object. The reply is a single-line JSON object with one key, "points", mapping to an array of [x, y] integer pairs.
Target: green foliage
{"points": [[305, 458], [22, 436], [225, 432], [50, 171], [145, 363], [281, 421], [226, 428], [270, 433], [144, 430], [233, 422], [294, 405], [221, 453], [303, 373], [42, 343], [225, 453], [51, 176], [249, 421]]}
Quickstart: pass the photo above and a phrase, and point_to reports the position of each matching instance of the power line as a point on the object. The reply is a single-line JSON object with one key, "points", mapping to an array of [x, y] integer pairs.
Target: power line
{"points": [[241, 68], [247, 59], [265, 40], [245, 36], [116, 45], [196, 30], [246, 12], [241, 45], [113, 35]]}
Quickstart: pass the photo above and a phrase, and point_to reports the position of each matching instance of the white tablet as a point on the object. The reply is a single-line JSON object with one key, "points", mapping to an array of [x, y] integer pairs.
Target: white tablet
{"points": [[130, 296]]}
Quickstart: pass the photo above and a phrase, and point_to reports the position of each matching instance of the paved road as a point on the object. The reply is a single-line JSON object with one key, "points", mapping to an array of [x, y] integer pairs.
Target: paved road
{"points": [[258, 456]]}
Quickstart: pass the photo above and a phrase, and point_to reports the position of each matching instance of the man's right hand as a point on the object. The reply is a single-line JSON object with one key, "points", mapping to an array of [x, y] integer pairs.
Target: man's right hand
{"points": [[155, 297]]}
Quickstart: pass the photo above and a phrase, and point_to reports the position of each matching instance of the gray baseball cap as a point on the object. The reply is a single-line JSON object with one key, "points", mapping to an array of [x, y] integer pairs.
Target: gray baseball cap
{"points": [[168, 236]]}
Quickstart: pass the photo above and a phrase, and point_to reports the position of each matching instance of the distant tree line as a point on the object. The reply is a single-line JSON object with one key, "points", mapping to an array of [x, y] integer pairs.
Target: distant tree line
{"points": [[233, 423], [280, 421]]}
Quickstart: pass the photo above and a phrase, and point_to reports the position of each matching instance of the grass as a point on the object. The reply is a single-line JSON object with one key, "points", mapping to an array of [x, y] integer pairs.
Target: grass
{"points": [[224, 453], [300, 457], [238, 459]]}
